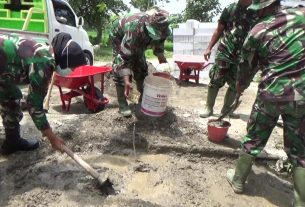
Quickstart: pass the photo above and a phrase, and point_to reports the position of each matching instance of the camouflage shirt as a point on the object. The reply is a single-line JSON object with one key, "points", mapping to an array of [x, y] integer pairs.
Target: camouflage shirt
{"points": [[131, 38], [237, 21], [276, 46], [17, 54]]}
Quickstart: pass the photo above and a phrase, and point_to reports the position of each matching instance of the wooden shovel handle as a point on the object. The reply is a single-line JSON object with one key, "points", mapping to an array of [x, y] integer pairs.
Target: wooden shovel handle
{"points": [[232, 108], [46, 104], [81, 162]]}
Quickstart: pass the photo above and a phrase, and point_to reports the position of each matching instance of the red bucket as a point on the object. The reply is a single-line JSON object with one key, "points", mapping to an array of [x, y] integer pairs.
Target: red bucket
{"points": [[217, 130]]}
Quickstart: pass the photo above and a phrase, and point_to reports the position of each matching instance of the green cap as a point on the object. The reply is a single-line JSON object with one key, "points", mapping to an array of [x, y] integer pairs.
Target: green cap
{"points": [[260, 4]]}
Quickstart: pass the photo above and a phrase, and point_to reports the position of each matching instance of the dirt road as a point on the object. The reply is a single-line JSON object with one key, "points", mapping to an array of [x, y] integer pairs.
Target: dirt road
{"points": [[173, 164]]}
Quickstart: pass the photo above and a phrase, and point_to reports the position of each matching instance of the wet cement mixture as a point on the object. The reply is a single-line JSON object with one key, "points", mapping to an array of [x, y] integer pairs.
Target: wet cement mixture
{"points": [[165, 161]]}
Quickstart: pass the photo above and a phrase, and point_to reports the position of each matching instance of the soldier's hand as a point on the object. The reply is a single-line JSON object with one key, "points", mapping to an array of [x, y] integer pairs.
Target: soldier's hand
{"points": [[207, 54], [55, 141], [128, 87]]}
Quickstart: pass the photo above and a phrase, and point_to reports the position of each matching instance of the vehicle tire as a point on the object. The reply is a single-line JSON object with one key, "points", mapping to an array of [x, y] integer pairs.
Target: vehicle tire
{"points": [[88, 59]]}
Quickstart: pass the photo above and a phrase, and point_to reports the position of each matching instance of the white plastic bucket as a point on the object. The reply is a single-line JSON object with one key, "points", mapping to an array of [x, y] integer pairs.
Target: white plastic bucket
{"points": [[155, 95]]}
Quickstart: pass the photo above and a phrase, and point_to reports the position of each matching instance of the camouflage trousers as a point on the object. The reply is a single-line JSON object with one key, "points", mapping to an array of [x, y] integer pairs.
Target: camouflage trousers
{"points": [[136, 64], [263, 119], [138, 67], [10, 110], [221, 73]]}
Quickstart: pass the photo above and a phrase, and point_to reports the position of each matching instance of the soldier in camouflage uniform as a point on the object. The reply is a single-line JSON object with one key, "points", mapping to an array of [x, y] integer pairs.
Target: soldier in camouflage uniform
{"points": [[131, 36], [233, 26], [276, 47], [17, 54]]}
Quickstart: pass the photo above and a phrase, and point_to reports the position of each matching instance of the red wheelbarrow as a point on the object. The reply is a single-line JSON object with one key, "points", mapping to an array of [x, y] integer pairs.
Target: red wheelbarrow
{"points": [[189, 64], [81, 83]]}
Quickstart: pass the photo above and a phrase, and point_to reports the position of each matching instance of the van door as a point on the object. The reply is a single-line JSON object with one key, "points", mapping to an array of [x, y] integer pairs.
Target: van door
{"points": [[65, 21], [62, 18]]}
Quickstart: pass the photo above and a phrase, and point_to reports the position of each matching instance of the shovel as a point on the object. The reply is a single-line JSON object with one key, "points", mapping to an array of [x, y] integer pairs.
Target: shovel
{"points": [[46, 104], [232, 108], [102, 180]]}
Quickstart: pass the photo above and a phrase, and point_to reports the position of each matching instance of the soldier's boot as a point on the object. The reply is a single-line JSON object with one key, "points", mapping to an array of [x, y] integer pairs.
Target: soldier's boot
{"points": [[211, 97], [228, 101], [13, 142], [123, 104], [238, 177], [299, 187]]}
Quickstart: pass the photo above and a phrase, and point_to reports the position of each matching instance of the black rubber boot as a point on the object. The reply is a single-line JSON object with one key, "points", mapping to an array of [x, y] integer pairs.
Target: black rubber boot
{"points": [[13, 142]]}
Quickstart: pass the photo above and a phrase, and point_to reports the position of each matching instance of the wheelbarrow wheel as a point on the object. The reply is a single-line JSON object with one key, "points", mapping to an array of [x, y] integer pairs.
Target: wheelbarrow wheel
{"points": [[90, 105]]}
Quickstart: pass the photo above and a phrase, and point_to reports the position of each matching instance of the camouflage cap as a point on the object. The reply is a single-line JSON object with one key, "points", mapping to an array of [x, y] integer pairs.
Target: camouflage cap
{"points": [[157, 24], [260, 4]]}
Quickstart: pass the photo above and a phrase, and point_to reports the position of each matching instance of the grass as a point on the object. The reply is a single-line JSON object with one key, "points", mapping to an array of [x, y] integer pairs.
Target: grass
{"points": [[104, 53]]}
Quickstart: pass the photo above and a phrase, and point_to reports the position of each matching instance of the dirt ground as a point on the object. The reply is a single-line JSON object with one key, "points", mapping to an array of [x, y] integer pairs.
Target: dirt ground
{"points": [[166, 161]]}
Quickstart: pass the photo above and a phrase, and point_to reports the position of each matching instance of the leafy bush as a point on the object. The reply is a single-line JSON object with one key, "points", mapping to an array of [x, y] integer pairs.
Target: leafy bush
{"points": [[103, 52], [168, 45], [105, 38]]}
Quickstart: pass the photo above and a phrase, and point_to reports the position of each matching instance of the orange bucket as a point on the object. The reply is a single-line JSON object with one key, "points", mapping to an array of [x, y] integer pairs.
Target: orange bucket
{"points": [[217, 130]]}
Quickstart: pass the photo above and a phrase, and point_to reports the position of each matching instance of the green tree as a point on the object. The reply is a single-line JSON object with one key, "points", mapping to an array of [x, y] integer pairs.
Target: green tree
{"points": [[202, 10], [175, 19], [144, 5], [97, 13]]}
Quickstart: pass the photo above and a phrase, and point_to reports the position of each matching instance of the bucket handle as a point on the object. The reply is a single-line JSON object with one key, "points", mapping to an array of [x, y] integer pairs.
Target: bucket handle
{"points": [[169, 72], [168, 67]]}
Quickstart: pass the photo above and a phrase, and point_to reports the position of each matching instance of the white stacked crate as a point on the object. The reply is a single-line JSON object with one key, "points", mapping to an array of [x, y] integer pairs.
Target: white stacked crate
{"points": [[202, 37], [193, 37], [183, 38]]}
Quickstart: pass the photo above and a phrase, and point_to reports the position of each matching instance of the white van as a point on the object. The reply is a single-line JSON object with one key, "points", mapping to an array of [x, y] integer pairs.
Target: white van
{"points": [[44, 19]]}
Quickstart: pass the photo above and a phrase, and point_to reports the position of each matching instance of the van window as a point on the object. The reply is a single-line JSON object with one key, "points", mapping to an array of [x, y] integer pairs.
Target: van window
{"points": [[63, 13]]}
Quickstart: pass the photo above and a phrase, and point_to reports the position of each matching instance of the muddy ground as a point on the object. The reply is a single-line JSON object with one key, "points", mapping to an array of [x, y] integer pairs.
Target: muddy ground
{"points": [[166, 161]]}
